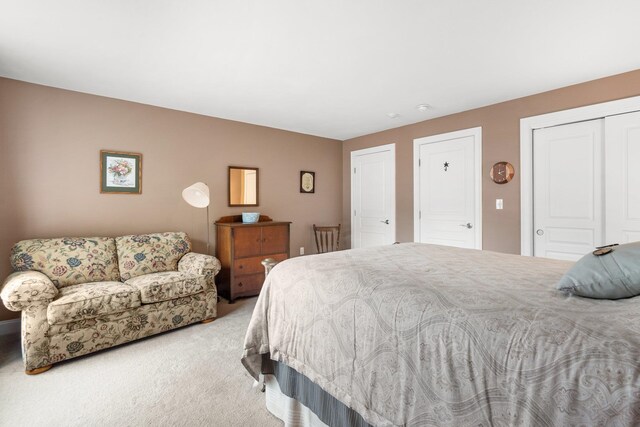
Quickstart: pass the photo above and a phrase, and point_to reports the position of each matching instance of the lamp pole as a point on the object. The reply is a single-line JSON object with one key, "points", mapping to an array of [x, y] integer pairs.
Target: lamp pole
{"points": [[197, 195], [208, 241]]}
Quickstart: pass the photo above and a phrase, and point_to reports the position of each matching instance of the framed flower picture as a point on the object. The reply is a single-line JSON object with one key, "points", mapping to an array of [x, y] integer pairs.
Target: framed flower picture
{"points": [[120, 172]]}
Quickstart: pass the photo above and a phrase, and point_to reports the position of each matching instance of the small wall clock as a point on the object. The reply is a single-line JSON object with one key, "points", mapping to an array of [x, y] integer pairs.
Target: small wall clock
{"points": [[307, 182], [502, 172]]}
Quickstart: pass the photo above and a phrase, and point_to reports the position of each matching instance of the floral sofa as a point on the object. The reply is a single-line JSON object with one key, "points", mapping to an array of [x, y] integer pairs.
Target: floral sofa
{"points": [[80, 295]]}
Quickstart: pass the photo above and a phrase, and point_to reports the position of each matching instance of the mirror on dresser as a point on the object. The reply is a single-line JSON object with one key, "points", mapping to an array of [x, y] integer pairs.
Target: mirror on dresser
{"points": [[243, 186]]}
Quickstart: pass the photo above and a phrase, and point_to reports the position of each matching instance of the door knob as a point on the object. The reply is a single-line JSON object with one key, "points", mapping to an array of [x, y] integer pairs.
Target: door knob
{"points": [[467, 225], [539, 231], [386, 221]]}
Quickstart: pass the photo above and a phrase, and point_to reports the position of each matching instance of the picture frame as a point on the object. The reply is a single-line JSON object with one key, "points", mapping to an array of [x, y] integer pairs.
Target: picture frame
{"points": [[120, 172], [307, 182]]}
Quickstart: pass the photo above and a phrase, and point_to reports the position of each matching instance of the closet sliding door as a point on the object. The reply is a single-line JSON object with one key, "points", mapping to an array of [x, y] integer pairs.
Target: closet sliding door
{"points": [[567, 190], [586, 186], [622, 178]]}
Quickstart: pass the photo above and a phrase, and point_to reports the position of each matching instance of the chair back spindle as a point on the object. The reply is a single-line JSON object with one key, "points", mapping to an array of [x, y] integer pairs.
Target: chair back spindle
{"points": [[327, 238]]}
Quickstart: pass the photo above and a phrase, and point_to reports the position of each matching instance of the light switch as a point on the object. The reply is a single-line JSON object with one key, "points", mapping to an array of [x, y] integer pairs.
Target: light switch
{"points": [[499, 204]]}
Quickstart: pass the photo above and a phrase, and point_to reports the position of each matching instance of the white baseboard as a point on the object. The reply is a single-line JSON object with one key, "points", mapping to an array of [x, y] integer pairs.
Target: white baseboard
{"points": [[10, 327]]}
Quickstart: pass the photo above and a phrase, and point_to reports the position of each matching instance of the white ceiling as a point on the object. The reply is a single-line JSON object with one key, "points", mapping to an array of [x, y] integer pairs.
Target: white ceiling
{"points": [[332, 68]]}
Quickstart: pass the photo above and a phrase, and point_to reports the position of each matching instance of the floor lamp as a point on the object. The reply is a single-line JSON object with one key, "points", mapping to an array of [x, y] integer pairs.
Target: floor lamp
{"points": [[197, 195]]}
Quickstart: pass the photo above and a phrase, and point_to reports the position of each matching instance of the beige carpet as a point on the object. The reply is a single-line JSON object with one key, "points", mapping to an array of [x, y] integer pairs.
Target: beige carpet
{"points": [[188, 377]]}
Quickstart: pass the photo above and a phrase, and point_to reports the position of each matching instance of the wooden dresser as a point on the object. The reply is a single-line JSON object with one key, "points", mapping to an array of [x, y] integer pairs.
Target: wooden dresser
{"points": [[241, 248]]}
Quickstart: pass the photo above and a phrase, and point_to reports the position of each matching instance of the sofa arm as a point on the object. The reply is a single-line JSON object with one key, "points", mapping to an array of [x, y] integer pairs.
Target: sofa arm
{"points": [[206, 265], [25, 288]]}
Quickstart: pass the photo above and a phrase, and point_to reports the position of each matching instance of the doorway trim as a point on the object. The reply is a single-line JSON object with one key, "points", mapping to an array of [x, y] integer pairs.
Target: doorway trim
{"points": [[387, 147], [564, 117], [476, 133]]}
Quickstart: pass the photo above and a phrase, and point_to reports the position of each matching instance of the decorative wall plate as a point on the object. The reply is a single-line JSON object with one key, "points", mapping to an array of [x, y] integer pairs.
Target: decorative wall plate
{"points": [[307, 182]]}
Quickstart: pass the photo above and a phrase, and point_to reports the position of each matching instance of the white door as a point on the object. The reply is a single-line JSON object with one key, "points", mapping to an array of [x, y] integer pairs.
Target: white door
{"points": [[373, 199], [622, 136], [447, 189], [567, 190]]}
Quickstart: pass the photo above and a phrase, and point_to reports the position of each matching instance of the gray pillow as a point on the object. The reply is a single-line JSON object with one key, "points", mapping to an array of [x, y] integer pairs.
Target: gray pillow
{"points": [[611, 276]]}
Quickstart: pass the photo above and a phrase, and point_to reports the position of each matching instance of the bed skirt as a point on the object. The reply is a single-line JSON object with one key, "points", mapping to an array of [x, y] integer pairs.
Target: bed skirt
{"points": [[290, 411], [297, 401]]}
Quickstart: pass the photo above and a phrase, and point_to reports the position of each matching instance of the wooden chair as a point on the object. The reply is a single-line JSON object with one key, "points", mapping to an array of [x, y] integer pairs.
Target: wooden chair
{"points": [[327, 238]]}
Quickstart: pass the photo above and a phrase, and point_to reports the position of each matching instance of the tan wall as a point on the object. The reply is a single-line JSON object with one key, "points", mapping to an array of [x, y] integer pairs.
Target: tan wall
{"points": [[49, 169], [501, 142]]}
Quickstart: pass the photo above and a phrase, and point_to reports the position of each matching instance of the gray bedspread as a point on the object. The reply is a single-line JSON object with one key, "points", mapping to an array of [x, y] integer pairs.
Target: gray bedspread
{"points": [[426, 335]]}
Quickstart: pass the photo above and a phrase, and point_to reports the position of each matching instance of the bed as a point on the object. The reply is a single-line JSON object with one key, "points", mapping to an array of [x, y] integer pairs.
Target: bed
{"points": [[426, 335]]}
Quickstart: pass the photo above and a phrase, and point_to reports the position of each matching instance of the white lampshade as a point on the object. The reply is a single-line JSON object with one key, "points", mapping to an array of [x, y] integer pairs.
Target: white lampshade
{"points": [[197, 195]]}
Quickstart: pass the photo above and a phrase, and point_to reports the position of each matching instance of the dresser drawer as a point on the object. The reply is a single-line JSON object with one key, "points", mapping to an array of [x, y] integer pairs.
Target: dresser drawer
{"points": [[254, 265], [247, 284]]}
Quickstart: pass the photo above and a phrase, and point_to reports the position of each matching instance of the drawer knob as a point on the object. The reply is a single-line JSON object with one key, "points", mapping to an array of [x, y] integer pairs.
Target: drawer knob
{"points": [[240, 266], [239, 284]]}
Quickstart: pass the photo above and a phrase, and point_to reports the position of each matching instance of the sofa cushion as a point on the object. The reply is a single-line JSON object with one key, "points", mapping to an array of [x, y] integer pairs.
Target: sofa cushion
{"points": [[156, 287], [90, 300], [150, 253], [68, 260]]}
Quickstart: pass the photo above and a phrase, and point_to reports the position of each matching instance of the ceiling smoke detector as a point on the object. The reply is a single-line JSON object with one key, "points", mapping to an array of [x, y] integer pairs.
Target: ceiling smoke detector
{"points": [[424, 107], [393, 115]]}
